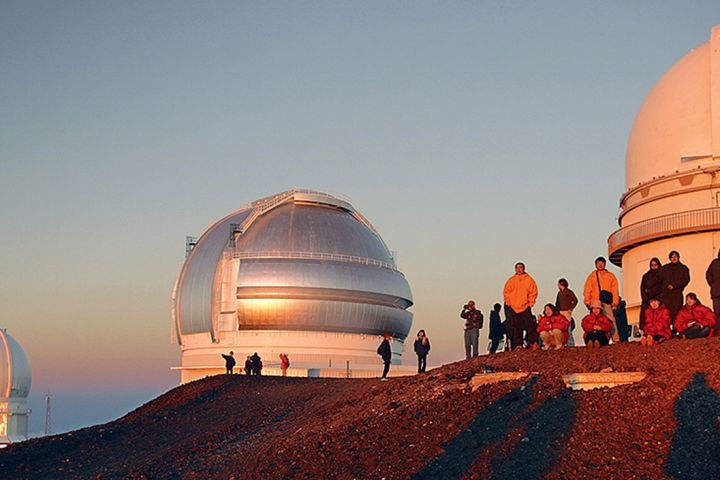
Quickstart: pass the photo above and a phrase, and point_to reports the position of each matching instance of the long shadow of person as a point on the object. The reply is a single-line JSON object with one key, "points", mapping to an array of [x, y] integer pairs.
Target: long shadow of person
{"points": [[694, 450], [546, 427], [490, 424]]}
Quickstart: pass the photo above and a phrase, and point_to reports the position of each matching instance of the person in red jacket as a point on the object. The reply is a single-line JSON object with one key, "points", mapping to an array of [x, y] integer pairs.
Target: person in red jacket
{"points": [[694, 320], [552, 327], [597, 326], [656, 327]]}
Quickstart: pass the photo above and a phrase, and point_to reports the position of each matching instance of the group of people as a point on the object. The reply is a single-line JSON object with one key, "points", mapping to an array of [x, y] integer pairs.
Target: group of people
{"points": [[253, 364], [665, 311], [421, 347]]}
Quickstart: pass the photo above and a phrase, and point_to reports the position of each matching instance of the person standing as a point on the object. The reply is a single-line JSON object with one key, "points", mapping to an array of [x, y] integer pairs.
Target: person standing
{"points": [[248, 366], [602, 285], [621, 320], [284, 364], [675, 277], [712, 275], [473, 323], [422, 348], [565, 302], [650, 287], [229, 362], [256, 364], [385, 353], [519, 294], [496, 328]]}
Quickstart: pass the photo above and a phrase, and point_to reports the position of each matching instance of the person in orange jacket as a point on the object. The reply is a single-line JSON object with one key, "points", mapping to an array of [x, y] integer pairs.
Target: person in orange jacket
{"points": [[656, 327], [552, 327], [601, 280], [694, 320], [596, 326], [520, 293]]}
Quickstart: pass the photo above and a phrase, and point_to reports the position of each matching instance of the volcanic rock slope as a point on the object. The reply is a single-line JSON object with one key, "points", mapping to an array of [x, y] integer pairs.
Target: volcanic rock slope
{"points": [[430, 426]]}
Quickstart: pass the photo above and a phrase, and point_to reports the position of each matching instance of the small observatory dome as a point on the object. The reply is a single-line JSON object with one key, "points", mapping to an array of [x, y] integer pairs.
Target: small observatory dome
{"points": [[15, 381], [301, 273]]}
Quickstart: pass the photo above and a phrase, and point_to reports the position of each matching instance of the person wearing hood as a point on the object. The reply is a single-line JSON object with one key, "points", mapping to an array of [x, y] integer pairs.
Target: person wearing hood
{"points": [[497, 331], [712, 275], [520, 293], [650, 287], [675, 277]]}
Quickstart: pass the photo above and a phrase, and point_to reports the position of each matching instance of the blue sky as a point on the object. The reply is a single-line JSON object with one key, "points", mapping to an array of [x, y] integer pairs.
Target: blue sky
{"points": [[472, 134]]}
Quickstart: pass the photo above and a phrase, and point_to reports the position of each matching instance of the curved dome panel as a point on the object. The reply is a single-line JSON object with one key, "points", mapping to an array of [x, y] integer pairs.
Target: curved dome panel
{"points": [[315, 229], [678, 125], [194, 308], [15, 376]]}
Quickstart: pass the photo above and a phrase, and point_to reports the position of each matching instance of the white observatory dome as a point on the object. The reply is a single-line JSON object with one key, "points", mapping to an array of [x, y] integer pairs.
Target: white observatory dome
{"points": [[14, 388], [15, 378], [678, 124]]}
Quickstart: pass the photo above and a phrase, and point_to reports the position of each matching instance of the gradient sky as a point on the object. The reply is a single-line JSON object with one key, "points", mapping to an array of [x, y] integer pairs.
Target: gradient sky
{"points": [[472, 134]]}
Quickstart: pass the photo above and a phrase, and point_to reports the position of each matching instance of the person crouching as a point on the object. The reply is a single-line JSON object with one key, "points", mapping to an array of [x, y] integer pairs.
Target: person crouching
{"points": [[656, 327], [694, 320], [596, 326], [552, 327]]}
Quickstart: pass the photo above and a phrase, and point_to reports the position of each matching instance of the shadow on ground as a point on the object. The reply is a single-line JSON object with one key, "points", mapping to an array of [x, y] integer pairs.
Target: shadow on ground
{"points": [[544, 429], [694, 450]]}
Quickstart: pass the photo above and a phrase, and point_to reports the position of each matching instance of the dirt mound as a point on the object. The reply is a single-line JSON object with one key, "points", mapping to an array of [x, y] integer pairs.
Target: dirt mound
{"points": [[428, 426]]}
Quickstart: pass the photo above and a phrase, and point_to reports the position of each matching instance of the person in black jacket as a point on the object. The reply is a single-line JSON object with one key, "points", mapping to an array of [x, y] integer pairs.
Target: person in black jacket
{"points": [[473, 323], [422, 348], [256, 363], [229, 362], [650, 287], [496, 328], [385, 353], [675, 277], [712, 275]]}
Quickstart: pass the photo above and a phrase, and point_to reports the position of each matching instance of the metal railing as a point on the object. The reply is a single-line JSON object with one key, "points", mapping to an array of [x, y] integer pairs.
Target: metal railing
{"points": [[665, 226], [335, 257]]}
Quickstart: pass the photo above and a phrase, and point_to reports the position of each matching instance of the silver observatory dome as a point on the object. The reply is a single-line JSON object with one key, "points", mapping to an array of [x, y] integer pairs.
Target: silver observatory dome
{"points": [[302, 261]]}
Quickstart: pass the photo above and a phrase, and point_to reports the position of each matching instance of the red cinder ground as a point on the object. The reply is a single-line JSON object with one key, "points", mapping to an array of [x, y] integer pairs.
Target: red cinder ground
{"points": [[427, 426]]}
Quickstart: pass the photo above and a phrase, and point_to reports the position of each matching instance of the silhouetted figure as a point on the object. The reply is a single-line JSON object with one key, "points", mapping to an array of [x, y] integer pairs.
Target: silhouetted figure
{"points": [[712, 275], [284, 364], [473, 323], [229, 362], [422, 348], [385, 353], [496, 328], [256, 364], [248, 366]]}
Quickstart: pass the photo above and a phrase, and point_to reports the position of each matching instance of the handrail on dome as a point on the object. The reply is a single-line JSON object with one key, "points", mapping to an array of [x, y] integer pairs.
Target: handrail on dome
{"points": [[665, 226], [336, 257]]}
